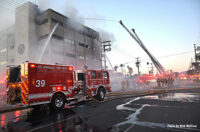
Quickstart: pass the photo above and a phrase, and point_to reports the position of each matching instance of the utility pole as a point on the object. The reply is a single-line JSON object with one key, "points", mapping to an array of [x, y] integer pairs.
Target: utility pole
{"points": [[106, 47], [195, 53], [152, 68], [138, 65], [196, 62]]}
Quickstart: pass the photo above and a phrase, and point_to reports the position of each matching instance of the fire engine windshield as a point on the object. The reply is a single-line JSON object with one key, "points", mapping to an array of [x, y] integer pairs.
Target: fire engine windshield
{"points": [[14, 74]]}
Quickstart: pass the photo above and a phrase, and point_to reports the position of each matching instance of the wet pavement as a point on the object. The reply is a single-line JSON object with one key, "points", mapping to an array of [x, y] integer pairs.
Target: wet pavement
{"points": [[40, 121], [174, 111], [164, 112]]}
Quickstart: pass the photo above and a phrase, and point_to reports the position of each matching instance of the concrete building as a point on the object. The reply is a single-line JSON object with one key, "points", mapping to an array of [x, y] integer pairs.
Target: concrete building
{"points": [[7, 52], [70, 44]]}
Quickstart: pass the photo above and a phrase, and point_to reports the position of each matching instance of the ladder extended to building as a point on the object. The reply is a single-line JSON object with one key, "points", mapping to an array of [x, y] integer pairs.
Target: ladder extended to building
{"points": [[157, 64]]}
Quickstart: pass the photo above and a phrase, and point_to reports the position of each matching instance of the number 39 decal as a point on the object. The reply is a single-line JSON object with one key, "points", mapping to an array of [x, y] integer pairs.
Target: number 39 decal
{"points": [[40, 83]]}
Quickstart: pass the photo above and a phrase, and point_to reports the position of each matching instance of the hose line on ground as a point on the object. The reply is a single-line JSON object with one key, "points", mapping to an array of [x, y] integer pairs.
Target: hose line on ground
{"points": [[149, 92]]}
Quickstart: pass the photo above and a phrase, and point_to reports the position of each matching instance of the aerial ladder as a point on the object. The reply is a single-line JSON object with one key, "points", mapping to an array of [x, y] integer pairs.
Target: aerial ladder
{"points": [[157, 64]]}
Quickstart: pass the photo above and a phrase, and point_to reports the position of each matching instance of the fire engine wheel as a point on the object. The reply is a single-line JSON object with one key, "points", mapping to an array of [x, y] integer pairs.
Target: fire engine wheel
{"points": [[101, 94], [58, 102]]}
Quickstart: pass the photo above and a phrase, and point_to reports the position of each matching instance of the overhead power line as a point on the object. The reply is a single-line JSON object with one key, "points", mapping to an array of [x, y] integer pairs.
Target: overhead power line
{"points": [[181, 53], [186, 52], [100, 19]]}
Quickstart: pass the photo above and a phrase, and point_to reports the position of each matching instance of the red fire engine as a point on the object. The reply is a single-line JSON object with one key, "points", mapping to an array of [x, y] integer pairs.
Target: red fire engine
{"points": [[35, 84], [145, 79]]}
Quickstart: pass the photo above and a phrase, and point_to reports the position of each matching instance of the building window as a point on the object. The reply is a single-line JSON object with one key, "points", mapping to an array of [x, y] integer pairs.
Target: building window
{"points": [[58, 37], [81, 44], [70, 55], [2, 62], [10, 35], [12, 46], [43, 36], [56, 21], [42, 21], [69, 41], [12, 60], [81, 57], [3, 50]]}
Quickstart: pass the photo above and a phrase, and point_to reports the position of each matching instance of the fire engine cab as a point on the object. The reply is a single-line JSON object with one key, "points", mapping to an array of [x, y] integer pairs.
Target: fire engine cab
{"points": [[32, 84]]}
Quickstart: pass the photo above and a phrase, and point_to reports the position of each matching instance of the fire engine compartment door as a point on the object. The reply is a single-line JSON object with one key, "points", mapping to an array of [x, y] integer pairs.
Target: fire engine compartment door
{"points": [[39, 84]]}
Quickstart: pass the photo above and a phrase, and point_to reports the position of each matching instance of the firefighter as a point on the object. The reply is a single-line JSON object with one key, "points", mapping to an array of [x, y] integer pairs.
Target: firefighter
{"points": [[165, 82], [159, 82], [127, 84], [168, 82], [172, 81], [123, 85]]}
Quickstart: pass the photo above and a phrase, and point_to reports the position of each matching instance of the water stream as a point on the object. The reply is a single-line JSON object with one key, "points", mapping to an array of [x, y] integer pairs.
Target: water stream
{"points": [[47, 42]]}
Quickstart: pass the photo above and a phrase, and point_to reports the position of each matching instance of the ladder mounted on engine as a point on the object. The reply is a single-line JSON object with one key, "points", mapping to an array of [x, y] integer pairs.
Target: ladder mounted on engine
{"points": [[157, 64]]}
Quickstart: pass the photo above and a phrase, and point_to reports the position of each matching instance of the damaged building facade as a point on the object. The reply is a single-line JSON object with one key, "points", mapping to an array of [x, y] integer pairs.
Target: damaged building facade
{"points": [[70, 44]]}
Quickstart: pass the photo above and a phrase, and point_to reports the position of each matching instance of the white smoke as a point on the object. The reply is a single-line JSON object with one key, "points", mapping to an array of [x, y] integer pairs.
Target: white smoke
{"points": [[106, 36], [70, 9], [66, 7], [7, 13]]}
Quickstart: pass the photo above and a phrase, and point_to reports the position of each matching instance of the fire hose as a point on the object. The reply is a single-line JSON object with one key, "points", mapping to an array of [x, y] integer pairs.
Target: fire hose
{"points": [[127, 95]]}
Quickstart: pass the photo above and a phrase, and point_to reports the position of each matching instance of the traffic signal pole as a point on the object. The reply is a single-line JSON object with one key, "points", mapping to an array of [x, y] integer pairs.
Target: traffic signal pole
{"points": [[138, 65]]}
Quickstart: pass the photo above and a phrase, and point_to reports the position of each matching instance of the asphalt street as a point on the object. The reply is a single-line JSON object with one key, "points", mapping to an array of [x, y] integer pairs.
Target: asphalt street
{"points": [[173, 111]]}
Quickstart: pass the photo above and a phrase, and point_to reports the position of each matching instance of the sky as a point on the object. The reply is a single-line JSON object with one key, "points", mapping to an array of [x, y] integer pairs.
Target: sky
{"points": [[166, 27]]}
